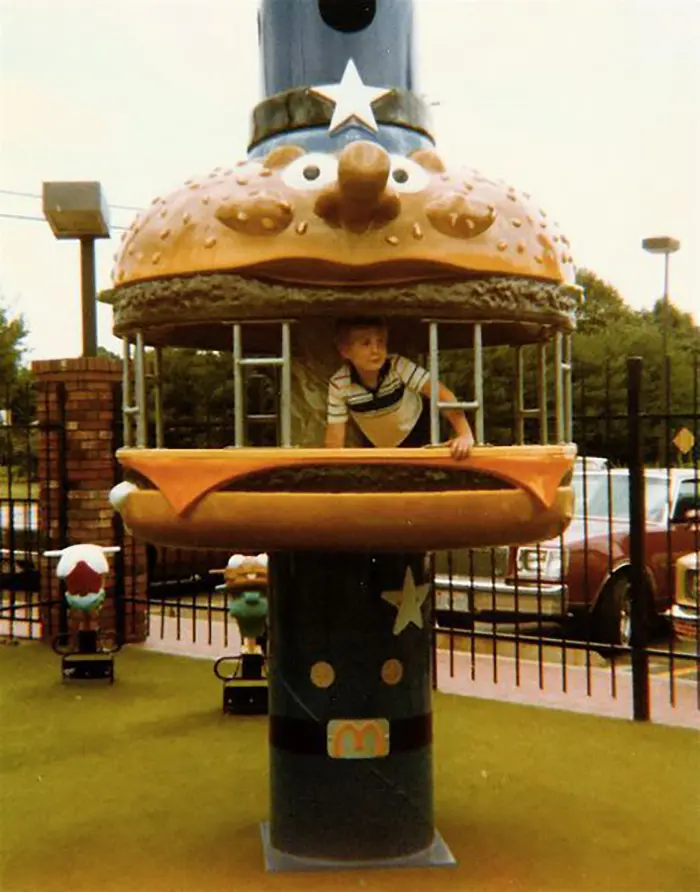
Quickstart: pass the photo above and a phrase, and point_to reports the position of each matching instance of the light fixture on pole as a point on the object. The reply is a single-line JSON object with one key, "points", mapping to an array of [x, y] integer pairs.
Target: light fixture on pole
{"points": [[663, 244], [78, 210]]}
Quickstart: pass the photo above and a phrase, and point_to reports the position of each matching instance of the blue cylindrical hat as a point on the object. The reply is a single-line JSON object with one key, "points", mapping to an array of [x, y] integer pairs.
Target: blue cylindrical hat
{"points": [[334, 71]]}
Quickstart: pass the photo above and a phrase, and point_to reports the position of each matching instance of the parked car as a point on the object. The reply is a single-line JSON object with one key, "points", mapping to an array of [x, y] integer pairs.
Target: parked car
{"points": [[685, 611], [585, 573]]}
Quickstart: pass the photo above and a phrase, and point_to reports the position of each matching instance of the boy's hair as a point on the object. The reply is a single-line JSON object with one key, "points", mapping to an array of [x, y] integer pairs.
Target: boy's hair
{"points": [[345, 327]]}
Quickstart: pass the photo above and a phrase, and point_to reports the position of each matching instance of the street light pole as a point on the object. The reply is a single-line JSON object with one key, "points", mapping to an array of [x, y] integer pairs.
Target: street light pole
{"points": [[667, 314], [88, 295], [78, 210], [663, 244]]}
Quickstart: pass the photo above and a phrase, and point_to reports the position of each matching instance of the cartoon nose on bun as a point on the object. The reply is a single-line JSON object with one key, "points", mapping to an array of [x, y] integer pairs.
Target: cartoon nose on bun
{"points": [[360, 199]]}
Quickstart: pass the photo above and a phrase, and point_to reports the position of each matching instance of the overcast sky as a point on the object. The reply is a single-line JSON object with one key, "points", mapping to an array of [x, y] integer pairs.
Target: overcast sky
{"points": [[593, 106]]}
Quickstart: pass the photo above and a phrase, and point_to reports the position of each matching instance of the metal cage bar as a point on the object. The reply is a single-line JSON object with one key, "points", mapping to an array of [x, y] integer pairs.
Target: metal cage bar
{"points": [[434, 371], [477, 404], [568, 389], [519, 396], [238, 389], [478, 383], [127, 394], [559, 409], [542, 393], [158, 395], [141, 405], [286, 387]]}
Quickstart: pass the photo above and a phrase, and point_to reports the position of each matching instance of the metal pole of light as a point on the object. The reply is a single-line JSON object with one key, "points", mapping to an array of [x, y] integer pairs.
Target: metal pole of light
{"points": [[88, 295], [666, 321], [666, 245], [667, 364]]}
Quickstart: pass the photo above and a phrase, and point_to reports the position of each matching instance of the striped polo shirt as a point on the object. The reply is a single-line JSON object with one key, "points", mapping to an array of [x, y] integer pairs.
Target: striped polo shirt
{"points": [[387, 415]]}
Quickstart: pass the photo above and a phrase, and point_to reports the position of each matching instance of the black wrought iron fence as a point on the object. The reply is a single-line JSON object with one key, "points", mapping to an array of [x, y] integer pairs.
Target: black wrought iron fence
{"points": [[23, 536], [586, 621], [592, 620]]}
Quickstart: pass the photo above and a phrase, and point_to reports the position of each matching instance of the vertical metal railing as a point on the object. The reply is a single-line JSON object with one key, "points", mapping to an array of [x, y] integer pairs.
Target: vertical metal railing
{"points": [[478, 402], [141, 393], [135, 393], [542, 393], [567, 368], [539, 411], [127, 394], [286, 387], [283, 362], [158, 396], [436, 405]]}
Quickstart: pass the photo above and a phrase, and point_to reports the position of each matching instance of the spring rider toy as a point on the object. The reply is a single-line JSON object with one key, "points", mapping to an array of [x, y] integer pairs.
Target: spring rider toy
{"points": [[88, 655], [245, 686]]}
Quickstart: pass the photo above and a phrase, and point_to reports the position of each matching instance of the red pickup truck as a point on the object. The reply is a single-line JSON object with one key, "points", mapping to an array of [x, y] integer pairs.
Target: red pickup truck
{"points": [[585, 573]]}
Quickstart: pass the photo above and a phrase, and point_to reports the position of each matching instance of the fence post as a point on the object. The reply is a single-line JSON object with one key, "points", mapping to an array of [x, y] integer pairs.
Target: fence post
{"points": [[640, 657], [77, 433]]}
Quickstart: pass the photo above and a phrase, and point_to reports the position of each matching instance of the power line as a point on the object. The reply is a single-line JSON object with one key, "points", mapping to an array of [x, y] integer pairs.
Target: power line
{"points": [[42, 220], [118, 207]]}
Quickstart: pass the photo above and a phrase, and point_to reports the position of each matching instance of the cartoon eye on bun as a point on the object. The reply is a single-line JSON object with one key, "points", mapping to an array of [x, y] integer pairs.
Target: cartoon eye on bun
{"points": [[313, 171], [408, 176]]}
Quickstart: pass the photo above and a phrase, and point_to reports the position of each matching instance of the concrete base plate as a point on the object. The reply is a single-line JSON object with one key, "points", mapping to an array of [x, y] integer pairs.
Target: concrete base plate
{"points": [[436, 855]]}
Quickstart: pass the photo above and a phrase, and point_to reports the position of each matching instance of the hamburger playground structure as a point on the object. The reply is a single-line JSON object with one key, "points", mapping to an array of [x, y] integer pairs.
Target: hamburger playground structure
{"points": [[342, 205]]}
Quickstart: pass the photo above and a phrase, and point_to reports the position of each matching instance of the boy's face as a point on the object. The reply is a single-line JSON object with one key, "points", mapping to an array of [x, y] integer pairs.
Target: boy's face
{"points": [[365, 348]]}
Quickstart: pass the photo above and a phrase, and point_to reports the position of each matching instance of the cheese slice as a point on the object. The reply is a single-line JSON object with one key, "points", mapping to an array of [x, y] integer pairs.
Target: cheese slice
{"points": [[185, 476]]}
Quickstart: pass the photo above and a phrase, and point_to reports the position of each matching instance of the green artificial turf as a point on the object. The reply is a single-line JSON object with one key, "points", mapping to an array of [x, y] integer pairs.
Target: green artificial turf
{"points": [[146, 786]]}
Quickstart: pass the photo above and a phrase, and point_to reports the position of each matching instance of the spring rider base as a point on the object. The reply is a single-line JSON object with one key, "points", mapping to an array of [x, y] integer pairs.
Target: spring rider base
{"points": [[88, 662], [245, 689]]}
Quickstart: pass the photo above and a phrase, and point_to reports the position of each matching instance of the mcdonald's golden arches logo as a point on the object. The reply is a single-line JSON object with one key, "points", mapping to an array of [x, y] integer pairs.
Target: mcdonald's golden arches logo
{"points": [[358, 738]]}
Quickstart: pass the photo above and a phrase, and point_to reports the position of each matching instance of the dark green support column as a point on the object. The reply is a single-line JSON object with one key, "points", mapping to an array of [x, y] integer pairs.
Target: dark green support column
{"points": [[351, 772]]}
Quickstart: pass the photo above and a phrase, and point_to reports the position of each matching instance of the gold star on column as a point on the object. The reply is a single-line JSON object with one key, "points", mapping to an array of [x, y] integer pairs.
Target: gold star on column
{"points": [[352, 99], [408, 602]]}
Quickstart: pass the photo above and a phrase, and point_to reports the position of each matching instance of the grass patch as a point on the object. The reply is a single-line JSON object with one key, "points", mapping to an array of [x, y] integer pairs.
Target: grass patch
{"points": [[146, 785], [16, 487]]}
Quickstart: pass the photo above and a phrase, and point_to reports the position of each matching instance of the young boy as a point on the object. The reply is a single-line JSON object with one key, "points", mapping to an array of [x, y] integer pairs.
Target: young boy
{"points": [[386, 395]]}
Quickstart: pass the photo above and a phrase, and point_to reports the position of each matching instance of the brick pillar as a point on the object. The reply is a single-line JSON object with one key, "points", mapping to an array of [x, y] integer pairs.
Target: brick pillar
{"points": [[78, 412]]}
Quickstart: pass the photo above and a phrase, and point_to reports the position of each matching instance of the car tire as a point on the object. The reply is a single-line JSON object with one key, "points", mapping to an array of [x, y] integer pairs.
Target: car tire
{"points": [[612, 619]]}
